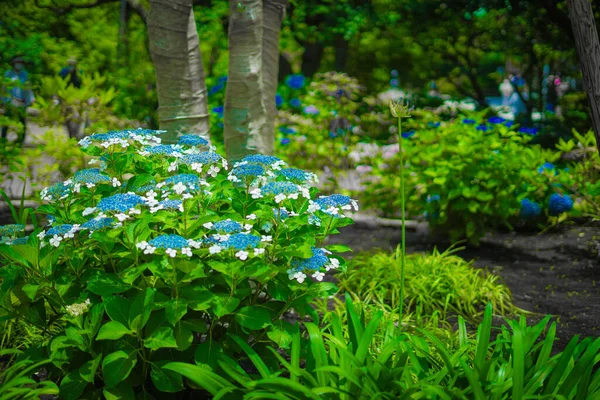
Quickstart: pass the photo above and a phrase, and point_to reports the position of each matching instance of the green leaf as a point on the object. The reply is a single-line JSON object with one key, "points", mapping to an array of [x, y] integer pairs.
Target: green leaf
{"points": [[183, 336], [166, 380], [123, 391], [225, 305], [117, 309], [484, 196], [338, 248], [175, 310], [161, 337], [12, 255], [117, 366], [253, 317], [113, 330], [141, 307], [106, 285], [201, 376], [199, 298], [88, 370], [72, 386], [30, 290], [281, 333]]}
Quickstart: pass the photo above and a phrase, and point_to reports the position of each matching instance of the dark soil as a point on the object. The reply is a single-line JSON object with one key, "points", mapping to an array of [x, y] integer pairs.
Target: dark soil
{"points": [[555, 273]]}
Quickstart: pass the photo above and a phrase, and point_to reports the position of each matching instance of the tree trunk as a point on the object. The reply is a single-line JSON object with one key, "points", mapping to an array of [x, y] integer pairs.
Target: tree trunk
{"points": [[588, 49], [175, 50], [254, 27]]}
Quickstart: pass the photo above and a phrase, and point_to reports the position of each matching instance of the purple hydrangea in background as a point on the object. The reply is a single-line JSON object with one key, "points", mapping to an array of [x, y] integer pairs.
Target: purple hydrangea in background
{"points": [[496, 120], [311, 110], [394, 82], [482, 127], [509, 124], [285, 141], [528, 131], [468, 121], [278, 101], [408, 134]]}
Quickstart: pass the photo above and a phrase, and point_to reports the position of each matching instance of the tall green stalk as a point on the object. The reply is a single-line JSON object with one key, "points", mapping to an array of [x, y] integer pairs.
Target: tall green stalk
{"points": [[400, 110]]}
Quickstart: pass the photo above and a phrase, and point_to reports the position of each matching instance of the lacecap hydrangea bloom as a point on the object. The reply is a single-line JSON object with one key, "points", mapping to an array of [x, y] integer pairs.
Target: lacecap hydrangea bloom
{"points": [[529, 209], [558, 204], [313, 265]]}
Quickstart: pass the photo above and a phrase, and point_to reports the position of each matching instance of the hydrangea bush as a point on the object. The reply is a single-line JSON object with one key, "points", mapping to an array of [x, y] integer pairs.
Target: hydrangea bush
{"points": [[159, 252]]}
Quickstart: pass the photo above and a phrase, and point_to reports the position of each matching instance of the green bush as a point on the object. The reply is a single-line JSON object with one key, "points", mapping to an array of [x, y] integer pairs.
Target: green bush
{"points": [[465, 177], [434, 283], [160, 254], [340, 362]]}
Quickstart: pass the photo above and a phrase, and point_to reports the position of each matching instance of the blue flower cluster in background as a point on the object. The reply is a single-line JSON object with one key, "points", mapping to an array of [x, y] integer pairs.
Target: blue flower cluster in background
{"points": [[547, 167], [529, 209], [528, 131], [295, 81], [558, 204], [120, 202], [192, 140], [169, 242]]}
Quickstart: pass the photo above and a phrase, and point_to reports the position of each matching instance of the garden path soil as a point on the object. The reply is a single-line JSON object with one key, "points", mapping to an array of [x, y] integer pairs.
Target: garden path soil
{"points": [[555, 273]]}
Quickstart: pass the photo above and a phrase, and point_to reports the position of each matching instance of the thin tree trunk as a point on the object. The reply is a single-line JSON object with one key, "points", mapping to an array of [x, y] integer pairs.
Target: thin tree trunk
{"points": [[588, 48], [180, 80], [251, 87]]}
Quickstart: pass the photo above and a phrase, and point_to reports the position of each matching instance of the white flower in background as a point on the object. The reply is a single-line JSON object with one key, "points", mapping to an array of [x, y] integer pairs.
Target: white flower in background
{"points": [[208, 225], [259, 251], [41, 235], [251, 217], [300, 276], [149, 250], [242, 255], [186, 251], [256, 193], [172, 166], [121, 217], [142, 245], [248, 227], [334, 263], [88, 211], [55, 240], [115, 182], [134, 211], [266, 238], [179, 188], [318, 275], [194, 244], [77, 309], [77, 188], [279, 198], [293, 196], [215, 249], [213, 171], [171, 252]]}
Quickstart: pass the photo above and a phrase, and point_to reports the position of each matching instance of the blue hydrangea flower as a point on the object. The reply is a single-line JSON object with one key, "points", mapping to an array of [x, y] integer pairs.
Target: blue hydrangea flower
{"points": [[558, 204], [547, 167], [295, 81], [314, 263], [529, 209], [528, 131], [287, 131], [295, 103], [332, 134], [56, 192], [192, 140], [432, 198], [120, 202], [216, 89], [163, 150], [335, 200], [95, 224], [111, 135], [206, 158], [311, 110], [394, 73], [294, 174], [220, 110], [285, 141], [261, 159], [241, 241], [168, 242], [434, 124], [482, 127], [276, 188], [222, 79], [12, 229], [248, 171], [170, 204], [280, 214], [145, 188], [21, 240], [468, 121], [92, 175], [408, 134], [278, 100], [496, 120], [186, 179], [227, 226], [509, 124], [59, 229]]}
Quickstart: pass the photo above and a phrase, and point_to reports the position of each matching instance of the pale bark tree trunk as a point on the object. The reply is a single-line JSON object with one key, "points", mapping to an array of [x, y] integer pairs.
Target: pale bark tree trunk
{"points": [[254, 28], [588, 48], [175, 50]]}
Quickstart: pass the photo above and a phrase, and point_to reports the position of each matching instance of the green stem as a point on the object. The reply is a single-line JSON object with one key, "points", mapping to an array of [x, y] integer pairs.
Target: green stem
{"points": [[403, 260]]}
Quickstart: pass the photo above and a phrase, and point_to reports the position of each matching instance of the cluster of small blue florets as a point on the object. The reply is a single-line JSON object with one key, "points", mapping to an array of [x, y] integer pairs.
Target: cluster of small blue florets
{"points": [[530, 209], [558, 204], [58, 191], [276, 188], [294, 174], [227, 226], [280, 214], [546, 167], [192, 140], [12, 229], [120, 202], [170, 204], [163, 150], [95, 224], [190, 180], [261, 159], [207, 157], [91, 175], [316, 262], [248, 171], [169, 242], [335, 200], [241, 241], [59, 229]]}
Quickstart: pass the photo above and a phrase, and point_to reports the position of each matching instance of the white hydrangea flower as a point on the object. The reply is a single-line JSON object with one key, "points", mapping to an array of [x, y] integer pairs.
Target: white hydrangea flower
{"points": [[122, 217], [149, 250], [251, 217], [256, 193], [171, 252], [208, 225], [213, 171], [266, 238], [334, 263], [248, 227], [259, 251], [115, 182], [313, 207], [293, 196], [77, 309], [194, 244], [142, 245], [242, 255], [300, 276], [318, 275], [88, 211], [77, 187], [55, 240], [172, 167], [186, 251], [179, 188], [279, 198], [215, 249]]}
